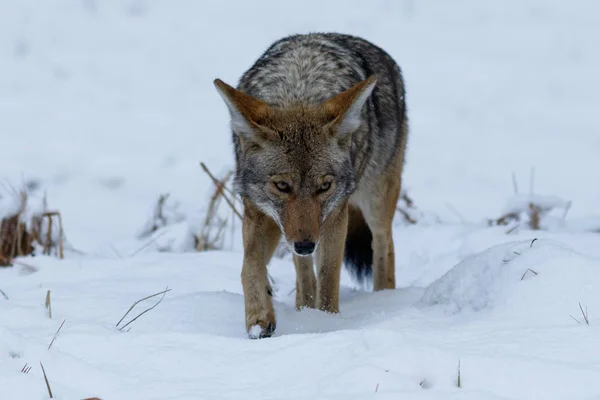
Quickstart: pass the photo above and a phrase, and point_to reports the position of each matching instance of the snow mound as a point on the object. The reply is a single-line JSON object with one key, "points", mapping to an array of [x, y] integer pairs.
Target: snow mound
{"points": [[488, 278]]}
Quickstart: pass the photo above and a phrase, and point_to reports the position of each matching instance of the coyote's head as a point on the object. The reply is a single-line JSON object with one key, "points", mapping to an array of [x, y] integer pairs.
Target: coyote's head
{"points": [[293, 163]]}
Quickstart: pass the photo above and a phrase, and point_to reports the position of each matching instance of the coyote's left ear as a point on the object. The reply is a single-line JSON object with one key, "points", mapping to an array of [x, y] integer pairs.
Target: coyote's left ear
{"points": [[247, 113], [345, 109]]}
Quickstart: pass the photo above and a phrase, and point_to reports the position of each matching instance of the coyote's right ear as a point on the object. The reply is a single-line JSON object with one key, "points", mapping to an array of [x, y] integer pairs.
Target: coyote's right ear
{"points": [[345, 109], [247, 113]]}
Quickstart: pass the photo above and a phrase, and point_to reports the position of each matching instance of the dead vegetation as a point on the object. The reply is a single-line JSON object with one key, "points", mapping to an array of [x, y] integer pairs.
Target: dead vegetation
{"points": [[19, 236], [164, 292], [584, 313], [529, 210], [211, 233], [406, 208]]}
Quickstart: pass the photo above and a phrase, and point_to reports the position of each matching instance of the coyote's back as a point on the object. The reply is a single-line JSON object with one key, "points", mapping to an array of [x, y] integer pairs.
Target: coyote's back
{"points": [[319, 130]]}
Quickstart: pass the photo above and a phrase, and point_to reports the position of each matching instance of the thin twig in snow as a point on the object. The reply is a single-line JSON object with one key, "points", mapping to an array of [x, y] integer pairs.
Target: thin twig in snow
{"points": [[49, 304], [139, 301], [164, 292], [514, 228], [455, 212], [154, 239], [47, 383], [567, 208], [585, 315], [114, 250], [406, 216], [4, 294], [215, 180], [528, 270], [221, 185], [56, 334], [514, 180]]}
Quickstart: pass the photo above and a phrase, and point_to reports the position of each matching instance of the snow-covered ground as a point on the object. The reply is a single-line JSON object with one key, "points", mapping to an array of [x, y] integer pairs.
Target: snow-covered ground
{"points": [[104, 105]]}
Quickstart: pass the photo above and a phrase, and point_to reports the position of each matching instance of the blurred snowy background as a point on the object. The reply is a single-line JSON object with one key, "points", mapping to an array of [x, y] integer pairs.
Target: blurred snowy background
{"points": [[106, 104]]}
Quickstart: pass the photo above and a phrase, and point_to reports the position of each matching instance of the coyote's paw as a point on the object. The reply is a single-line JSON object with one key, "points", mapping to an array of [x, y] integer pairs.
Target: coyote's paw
{"points": [[261, 325]]}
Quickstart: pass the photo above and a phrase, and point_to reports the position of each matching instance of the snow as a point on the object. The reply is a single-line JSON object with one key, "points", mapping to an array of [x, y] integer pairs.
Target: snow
{"points": [[105, 105]]}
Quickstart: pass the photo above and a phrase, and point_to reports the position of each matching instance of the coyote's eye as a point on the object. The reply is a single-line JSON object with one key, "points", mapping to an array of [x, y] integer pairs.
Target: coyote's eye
{"points": [[325, 186], [283, 186]]}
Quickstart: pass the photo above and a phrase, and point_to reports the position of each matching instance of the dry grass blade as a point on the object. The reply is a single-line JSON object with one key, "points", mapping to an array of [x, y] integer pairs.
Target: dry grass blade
{"points": [[534, 217], [514, 181], [215, 180], [221, 187], [114, 250], [48, 243], [47, 383], [406, 216], [18, 238], [164, 292], [406, 204], [514, 228], [26, 368], [4, 294], [15, 240], [56, 334], [456, 212], [148, 243], [505, 219], [567, 208], [458, 382], [526, 271], [585, 314], [48, 304], [208, 239]]}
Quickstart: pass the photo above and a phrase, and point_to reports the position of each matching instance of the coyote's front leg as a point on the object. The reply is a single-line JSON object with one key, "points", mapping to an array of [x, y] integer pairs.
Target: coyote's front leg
{"points": [[330, 256], [261, 236]]}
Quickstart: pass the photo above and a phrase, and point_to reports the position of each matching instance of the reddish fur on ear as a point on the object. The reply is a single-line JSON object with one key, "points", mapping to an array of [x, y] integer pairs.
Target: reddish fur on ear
{"points": [[253, 110], [345, 108]]}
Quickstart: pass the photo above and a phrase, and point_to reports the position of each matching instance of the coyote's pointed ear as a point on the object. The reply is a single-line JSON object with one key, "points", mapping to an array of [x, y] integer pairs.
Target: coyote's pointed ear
{"points": [[247, 113], [345, 108]]}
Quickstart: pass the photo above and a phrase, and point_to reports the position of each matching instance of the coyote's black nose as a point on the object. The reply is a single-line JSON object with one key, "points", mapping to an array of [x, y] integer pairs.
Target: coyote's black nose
{"points": [[304, 248]]}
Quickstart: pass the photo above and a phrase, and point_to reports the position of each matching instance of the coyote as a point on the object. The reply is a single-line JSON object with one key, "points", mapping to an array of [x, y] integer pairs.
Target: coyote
{"points": [[319, 131]]}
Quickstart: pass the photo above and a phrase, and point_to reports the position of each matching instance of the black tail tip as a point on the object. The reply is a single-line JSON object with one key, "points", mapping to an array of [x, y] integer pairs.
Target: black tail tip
{"points": [[358, 255]]}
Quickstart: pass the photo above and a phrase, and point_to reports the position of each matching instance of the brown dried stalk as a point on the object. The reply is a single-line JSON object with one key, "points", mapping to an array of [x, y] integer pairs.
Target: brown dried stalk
{"points": [[206, 241], [164, 292], [47, 383], [408, 204], [534, 217], [221, 188], [15, 241], [56, 334], [48, 304]]}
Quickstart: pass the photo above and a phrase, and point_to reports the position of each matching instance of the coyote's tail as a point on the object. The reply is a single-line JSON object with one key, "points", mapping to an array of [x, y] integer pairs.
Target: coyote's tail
{"points": [[358, 253]]}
